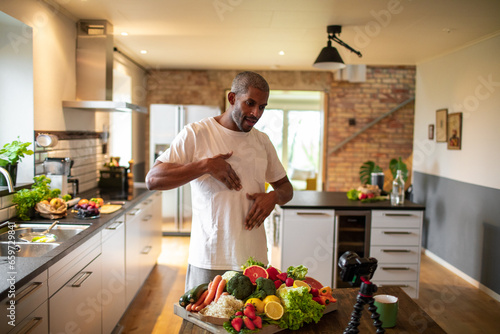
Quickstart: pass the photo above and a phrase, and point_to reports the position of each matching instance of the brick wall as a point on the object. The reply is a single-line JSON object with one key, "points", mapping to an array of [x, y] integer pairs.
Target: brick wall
{"points": [[384, 89], [392, 137]]}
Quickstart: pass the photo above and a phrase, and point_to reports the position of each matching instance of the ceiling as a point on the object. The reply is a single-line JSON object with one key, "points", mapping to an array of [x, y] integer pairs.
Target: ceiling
{"points": [[250, 34]]}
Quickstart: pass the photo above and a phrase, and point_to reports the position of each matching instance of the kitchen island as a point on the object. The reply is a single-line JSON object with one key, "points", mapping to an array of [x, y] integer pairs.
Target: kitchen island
{"points": [[92, 277], [411, 318], [316, 228]]}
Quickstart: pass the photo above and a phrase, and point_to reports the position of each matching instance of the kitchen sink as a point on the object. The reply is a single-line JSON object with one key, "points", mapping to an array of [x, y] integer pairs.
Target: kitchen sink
{"points": [[9, 238]]}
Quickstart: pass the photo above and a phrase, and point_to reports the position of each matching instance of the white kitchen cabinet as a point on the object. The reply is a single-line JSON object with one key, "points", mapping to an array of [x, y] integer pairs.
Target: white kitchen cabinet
{"points": [[133, 248], [75, 290], [306, 236], [142, 243], [29, 308], [37, 322], [395, 243], [113, 274]]}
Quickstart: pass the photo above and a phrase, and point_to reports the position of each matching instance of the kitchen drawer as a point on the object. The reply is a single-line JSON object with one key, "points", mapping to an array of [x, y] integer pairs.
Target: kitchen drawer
{"points": [[396, 254], [396, 218], [395, 237], [410, 287], [71, 264], [394, 272], [309, 216], [27, 297], [35, 323]]}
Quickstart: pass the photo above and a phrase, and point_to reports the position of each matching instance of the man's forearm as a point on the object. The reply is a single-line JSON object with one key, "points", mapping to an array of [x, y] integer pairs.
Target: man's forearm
{"points": [[165, 176]]}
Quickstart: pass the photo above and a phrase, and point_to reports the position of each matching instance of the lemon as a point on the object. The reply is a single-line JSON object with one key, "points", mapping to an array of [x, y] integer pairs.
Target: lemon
{"points": [[298, 283], [271, 298], [259, 304], [274, 310]]}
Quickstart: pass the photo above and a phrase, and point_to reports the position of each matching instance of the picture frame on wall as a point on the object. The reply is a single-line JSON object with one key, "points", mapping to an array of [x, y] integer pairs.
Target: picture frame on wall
{"points": [[431, 132], [441, 125], [455, 131]]}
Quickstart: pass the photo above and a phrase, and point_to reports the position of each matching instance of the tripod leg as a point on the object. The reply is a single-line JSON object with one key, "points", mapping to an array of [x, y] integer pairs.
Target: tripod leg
{"points": [[352, 327], [375, 316]]}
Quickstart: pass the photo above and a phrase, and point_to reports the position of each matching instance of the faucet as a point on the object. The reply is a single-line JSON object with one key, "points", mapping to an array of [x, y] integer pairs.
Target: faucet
{"points": [[8, 178]]}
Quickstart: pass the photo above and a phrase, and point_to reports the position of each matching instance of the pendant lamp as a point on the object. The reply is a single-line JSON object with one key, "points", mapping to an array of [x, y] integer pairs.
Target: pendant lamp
{"points": [[329, 57]]}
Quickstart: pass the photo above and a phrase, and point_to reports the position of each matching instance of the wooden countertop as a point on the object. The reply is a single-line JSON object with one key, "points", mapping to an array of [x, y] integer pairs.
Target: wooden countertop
{"points": [[411, 318], [338, 200]]}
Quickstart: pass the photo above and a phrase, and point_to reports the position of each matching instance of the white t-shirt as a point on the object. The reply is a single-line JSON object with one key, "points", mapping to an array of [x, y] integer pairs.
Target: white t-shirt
{"points": [[218, 238]]}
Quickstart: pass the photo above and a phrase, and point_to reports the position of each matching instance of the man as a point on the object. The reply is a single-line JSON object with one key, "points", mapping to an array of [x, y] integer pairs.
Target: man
{"points": [[227, 162]]}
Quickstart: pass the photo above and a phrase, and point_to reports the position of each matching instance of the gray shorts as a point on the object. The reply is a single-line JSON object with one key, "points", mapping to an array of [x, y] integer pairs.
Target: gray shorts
{"points": [[196, 276]]}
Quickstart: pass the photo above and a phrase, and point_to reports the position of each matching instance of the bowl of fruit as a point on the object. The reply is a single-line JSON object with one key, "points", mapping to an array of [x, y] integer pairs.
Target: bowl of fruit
{"points": [[88, 208]]}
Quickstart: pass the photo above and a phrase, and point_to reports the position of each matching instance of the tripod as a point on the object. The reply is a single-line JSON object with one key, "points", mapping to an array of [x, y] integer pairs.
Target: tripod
{"points": [[365, 296]]}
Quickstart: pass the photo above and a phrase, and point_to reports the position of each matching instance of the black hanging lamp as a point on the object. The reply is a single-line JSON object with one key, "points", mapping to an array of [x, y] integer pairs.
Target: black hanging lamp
{"points": [[329, 58]]}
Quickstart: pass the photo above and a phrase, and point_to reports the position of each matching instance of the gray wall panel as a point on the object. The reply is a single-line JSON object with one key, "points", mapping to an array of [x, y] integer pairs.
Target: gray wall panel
{"points": [[461, 225]]}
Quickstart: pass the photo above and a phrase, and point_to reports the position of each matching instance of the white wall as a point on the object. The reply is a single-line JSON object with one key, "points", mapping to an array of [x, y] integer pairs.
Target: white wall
{"points": [[468, 81]]}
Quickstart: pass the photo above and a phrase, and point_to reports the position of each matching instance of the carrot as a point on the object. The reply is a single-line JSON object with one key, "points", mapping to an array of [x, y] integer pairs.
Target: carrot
{"points": [[220, 289], [225, 293], [188, 308], [199, 301], [211, 293]]}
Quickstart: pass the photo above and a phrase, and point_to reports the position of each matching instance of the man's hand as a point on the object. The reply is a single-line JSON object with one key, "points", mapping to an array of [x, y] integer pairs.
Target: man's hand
{"points": [[263, 205], [222, 171]]}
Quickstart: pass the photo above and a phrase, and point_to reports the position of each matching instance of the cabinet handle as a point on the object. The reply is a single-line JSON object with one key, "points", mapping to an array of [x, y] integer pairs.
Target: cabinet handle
{"points": [[31, 325], [26, 292], [396, 232], [78, 283], [398, 214], [148, 217], [394, 285], [312, 214], [114, 226], [395, 268], [396, 250], [133, 212], [146, 250]]}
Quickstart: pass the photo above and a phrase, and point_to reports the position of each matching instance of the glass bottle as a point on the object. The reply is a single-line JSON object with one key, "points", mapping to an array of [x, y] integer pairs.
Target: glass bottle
{"points": [[398, 189]]}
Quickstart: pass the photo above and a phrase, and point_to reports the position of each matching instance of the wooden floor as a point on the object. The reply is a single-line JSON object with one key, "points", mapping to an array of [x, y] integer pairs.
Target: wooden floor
{"points": [[453, 303]]}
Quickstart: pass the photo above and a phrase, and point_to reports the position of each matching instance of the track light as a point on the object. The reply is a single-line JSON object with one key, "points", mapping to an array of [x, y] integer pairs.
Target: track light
{"points": [[329, 58]]}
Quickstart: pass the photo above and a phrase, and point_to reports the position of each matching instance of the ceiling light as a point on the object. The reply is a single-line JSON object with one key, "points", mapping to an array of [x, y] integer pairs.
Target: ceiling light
{"points": [[124, 33], [329, 58], [144, 52], [281, 53]]}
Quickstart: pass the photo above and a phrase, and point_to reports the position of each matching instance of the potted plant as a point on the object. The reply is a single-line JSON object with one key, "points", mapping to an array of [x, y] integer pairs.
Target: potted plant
{"points": [[366, 170], [10, 155], [398, 164]]}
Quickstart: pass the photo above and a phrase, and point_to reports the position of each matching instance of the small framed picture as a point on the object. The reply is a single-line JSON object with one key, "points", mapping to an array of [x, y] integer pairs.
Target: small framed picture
{"points": [[431, 132], [441, 121], [455, 131]]}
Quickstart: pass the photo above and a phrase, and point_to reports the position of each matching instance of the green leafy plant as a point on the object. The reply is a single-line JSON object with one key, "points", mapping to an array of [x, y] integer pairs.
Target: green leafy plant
{"points": [[26, 199], [12, 153], [398, 164], [366, 170]]}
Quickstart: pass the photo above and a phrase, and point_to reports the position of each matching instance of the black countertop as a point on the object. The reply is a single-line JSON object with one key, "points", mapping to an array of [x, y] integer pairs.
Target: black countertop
{"points": [[338, 200], [26, 268]]}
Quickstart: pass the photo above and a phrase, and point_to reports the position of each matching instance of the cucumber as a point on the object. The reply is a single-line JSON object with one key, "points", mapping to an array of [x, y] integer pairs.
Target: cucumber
{"points": [[195, 293], [183, 300]]}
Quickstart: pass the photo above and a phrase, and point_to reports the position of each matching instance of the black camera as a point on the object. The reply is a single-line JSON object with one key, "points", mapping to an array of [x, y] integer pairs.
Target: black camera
{"points": [[352, 268]]}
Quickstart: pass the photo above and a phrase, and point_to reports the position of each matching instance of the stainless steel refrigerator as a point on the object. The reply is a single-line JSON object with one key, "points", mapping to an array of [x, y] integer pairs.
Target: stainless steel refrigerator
{"points": [[166, 121]]}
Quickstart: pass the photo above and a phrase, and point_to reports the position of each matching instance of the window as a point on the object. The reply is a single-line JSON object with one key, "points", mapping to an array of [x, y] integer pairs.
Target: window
{"points": [[293, 121]]}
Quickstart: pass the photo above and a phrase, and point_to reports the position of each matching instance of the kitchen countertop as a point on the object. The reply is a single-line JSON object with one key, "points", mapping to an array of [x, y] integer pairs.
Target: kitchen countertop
{"points": [[411, 318], [26, 268], [338, 200]]}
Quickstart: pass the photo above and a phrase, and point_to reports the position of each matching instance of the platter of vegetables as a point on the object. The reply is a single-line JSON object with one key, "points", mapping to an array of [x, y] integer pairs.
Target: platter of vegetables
{"points": [[259, 298], [365, 194]]}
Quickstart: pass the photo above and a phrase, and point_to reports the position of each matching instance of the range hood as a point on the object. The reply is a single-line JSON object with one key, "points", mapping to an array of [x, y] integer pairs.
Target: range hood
{"points": [[94, 70]]}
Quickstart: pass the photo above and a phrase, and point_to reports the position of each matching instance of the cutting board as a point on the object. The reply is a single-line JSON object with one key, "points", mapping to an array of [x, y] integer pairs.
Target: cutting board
{"points": [[110, 208], [211, 324]]}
